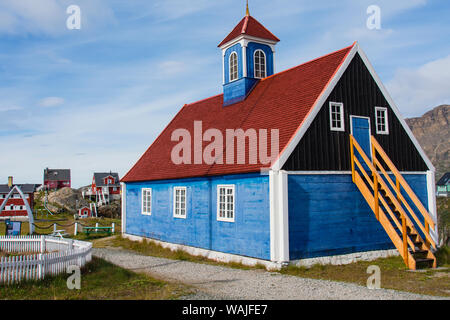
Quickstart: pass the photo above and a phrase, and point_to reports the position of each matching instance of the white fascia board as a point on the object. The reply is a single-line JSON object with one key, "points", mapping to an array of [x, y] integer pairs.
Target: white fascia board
{"points": [[306, 123], [245, 39], [394, 108], [304, 126]]}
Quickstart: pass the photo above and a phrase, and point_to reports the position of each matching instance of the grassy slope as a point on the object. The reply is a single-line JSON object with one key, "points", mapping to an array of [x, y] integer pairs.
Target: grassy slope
{"points": [[100, 280]]}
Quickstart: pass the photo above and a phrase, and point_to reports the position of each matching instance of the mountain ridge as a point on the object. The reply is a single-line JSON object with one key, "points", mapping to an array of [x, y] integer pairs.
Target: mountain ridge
{"points": [[432, 130]]}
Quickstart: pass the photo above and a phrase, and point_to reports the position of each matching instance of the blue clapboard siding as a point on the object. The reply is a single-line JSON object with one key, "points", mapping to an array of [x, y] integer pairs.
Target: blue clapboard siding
{"points": [[249, 235], [329, 216]]}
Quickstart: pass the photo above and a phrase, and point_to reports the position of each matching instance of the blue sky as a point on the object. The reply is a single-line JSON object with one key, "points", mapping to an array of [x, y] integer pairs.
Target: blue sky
{"points": [[94, 99]]}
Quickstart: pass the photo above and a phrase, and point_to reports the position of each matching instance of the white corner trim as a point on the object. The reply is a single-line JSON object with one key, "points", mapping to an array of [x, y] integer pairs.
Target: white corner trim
{"points": [[279, 216], [306, 123], [244, 61], [431, 188], [209, 254], [124, 207]]}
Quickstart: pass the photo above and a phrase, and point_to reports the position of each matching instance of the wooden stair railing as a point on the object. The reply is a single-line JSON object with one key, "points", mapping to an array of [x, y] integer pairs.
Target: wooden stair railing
{"points": [[389, 207]]}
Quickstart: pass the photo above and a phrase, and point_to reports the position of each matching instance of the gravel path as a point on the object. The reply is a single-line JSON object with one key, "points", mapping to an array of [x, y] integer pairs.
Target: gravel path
{"points": [[217, 282]]}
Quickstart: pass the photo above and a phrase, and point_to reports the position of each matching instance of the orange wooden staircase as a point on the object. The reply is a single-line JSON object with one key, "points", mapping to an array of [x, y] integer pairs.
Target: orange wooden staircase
{"points": [[387, 200]]}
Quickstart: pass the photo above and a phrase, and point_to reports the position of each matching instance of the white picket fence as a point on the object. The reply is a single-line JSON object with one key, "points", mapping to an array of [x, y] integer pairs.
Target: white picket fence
{"points": [[55, 255]]}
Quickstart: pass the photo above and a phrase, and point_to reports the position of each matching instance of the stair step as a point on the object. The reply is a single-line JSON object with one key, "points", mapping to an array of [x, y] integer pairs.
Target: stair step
{"points": [[420, 254], [424, 263]]}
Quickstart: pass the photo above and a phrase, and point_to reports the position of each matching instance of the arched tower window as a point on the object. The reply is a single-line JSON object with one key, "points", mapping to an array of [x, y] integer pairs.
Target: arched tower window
{"points": [[234, 66], [260, 64]]}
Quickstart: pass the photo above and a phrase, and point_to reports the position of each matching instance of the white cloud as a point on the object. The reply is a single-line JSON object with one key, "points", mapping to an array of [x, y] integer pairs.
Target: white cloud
{"points": [[51, 102], [5, 108], [427, 86]]}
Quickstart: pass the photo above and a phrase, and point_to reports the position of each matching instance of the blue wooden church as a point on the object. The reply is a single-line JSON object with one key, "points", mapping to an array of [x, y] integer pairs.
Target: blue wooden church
{"points": [[345, 176]]}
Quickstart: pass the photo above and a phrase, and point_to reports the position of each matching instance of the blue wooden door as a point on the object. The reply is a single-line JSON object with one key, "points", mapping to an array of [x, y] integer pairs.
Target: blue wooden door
{"points": [[361, 133]]}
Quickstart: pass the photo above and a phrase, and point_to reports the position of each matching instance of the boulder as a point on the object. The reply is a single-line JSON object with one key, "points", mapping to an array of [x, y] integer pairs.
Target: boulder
{"points": [[67, 199], [112, 210]]}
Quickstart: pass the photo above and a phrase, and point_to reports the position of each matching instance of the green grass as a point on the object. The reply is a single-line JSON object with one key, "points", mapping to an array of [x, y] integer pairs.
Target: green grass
{"points": [[443, 256], [100, 280], [394, 275]]}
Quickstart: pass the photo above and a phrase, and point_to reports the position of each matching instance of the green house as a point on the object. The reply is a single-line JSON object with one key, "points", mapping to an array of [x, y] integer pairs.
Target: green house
{"points": [[443, 185]]}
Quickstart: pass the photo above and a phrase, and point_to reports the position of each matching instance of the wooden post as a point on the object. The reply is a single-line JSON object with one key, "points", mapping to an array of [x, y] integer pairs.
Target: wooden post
{"points": [[42, 244], [75, 231], [375, 184], [405, 241], [352, 155], [96, 226], [113, 227], [54, 227]]}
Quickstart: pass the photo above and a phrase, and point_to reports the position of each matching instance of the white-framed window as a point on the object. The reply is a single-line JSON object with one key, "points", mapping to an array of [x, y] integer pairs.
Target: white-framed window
{"points": [[337, 116], [260, 64], [179, 202], [234, 73], [381, 120], [226, 203], [147, 201]]}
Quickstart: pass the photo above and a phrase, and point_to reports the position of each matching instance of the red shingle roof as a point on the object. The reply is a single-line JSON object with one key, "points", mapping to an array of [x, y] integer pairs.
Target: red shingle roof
{"points": [[281, 101], [252, 27]]}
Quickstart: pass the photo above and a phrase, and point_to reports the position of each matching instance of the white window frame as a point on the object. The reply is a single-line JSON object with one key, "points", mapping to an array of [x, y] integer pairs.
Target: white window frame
{"points": [[226, 187], [386, 120], [341, 106], [143, 191], [237, 67], [175, 213], [265, 64]]}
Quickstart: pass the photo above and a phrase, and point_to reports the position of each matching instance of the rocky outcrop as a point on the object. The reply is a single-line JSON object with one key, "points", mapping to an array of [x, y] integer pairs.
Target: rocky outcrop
{"points": [[432, 130], [67, 199]]}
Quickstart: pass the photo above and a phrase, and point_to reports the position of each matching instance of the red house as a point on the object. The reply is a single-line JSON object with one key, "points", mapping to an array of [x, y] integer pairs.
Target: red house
{"points": [[55, 179], [107, 183], [15, 207], [84, 212]]}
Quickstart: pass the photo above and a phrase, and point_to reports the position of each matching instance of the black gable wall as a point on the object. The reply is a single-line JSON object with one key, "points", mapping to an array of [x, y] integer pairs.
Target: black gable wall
{"points": [[324, 150]]}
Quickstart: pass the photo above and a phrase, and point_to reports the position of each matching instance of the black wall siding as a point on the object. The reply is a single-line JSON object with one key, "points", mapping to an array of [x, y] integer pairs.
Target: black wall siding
{"points": [[321, 149]]}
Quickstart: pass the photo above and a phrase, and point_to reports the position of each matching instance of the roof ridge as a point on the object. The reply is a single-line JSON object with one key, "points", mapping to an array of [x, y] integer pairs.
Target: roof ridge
{"points": [[310, 61], [244, 27]]}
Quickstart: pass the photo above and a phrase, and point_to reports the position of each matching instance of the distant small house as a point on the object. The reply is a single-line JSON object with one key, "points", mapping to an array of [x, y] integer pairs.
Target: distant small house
{"points": [[84, 212], [15, 207], [107, 183], [55, 179], [443, 186]]}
